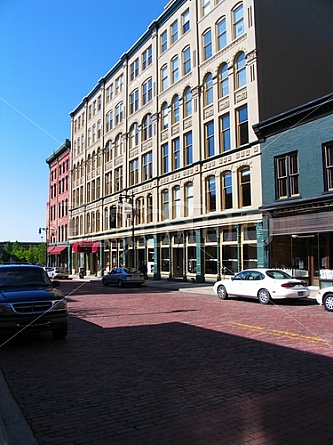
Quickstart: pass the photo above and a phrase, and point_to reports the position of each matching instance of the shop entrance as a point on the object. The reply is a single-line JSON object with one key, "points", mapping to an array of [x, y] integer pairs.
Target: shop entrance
{"points": [[177, 262]]}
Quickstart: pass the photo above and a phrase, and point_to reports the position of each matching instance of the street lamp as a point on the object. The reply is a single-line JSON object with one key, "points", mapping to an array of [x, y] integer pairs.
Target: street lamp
{"points": [[130, 197], [40, 232]]}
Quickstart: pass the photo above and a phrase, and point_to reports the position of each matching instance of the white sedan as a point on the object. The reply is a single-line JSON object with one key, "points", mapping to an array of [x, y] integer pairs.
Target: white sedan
{"points": [[262, 284], [325, 297]]}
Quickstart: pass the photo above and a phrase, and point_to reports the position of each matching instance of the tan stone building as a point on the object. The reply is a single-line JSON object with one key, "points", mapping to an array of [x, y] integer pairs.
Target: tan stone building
{"points": [[165, 166]]}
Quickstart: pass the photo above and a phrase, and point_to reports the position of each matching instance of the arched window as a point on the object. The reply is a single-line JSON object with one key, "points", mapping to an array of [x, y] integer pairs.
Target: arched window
{"points": [[88, 163], [149, 208], [119, 145], [164, 78], [189, 199], [187, 102], [165, 205], [221, 33], [244, 187], [108, 151], [165, 116], [226, 187], [187, 60], [134, 135], [175, 110], [207, 44], [147, 127], [176, 202], [238, 21], [175, 69], [223, 81], [210, 194], [240, 70], [208, 89]]}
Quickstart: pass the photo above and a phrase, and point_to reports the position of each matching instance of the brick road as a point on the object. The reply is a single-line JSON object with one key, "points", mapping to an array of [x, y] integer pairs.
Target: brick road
{"points": [[156, 367]]}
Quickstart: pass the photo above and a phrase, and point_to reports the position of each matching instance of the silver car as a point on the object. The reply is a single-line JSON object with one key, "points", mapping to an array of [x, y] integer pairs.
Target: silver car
{"points": [[123, 276]]}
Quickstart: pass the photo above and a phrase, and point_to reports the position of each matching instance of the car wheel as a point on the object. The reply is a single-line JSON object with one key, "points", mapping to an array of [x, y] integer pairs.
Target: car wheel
{"points": [[120, 283], [222, 293], [60, 333], [264, 296], [105, 283], [328, 302]]}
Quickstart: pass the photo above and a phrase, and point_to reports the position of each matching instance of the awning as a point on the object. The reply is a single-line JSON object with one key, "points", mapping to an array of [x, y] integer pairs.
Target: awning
{"points": [[58, 249], [50, 250], [82, 246], [95, 247]]}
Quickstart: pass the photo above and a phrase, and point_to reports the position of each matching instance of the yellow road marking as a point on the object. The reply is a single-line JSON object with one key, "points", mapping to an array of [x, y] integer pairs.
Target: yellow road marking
{"points": [[281, 333]]}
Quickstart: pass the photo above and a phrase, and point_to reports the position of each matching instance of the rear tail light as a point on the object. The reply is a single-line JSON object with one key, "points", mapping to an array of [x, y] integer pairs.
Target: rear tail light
{"points": [[289, 285]]}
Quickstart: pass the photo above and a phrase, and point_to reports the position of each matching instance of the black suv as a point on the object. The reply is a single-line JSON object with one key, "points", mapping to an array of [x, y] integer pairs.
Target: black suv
{"points": [[30, 301]]}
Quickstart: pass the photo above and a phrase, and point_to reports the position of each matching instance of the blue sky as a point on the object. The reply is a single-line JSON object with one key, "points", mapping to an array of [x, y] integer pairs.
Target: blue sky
{"points": [[52, 53]]}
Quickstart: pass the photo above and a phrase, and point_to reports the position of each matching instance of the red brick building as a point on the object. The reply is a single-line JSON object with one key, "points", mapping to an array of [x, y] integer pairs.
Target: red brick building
{"points": [[57, 215]]}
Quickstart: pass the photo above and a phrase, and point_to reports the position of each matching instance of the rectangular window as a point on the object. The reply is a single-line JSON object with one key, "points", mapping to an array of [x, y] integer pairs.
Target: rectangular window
{"points": [[328, 166], [209, 139], [147, 57], [176, 204], [134, 101], [206, 6], [225, 143], [134, 69], [165, 158], [188, 148], [118, 179], [189, 199], [134, 172], [287, 176], [147, 166], [242, 126], [175, 154], [186, 21], [164, 41], [174, 32]]}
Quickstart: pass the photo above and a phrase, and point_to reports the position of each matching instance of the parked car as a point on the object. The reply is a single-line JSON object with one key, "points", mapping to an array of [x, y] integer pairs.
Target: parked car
{"points": [[29, 301], [57, 272], [123, 276], [262, 284], [325, 297]]}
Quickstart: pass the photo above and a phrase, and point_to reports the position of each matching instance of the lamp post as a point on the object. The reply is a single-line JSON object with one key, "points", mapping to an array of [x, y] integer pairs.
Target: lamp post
{"points": [[40, 232], [130, 197]]}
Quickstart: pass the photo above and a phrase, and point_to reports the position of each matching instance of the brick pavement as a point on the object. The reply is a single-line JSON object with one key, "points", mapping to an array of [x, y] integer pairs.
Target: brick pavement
{"points": [[165, 367]]}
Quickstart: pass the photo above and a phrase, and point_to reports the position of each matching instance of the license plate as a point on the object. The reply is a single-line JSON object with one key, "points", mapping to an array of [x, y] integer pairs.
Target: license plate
{"points": [[300, 294]]}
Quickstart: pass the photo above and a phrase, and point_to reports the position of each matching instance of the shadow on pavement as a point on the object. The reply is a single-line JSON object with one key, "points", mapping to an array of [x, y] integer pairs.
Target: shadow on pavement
{"points": [[168, 383]]}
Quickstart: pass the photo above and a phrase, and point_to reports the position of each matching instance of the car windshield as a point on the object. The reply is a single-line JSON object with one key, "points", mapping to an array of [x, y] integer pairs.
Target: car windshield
{"points": [[278, 275], [23, 276]]}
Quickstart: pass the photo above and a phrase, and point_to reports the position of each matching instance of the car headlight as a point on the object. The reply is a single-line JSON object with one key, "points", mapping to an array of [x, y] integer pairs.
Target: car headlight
{"points": [[5, 308], [60, 305]]}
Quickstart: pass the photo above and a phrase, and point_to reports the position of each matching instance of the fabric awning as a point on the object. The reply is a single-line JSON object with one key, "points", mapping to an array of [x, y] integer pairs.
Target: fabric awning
{"points": [[82, 246], [50, 249], [58, 249], [95, 247]]}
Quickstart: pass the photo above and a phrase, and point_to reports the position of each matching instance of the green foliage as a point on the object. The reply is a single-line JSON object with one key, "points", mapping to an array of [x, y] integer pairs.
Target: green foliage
{"points": [[15, 252]]}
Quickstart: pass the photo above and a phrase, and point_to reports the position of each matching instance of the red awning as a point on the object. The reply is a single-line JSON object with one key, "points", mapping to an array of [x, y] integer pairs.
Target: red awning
{"points": [[58, 249], [82, 246], [50, 249], [95, 247]]}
